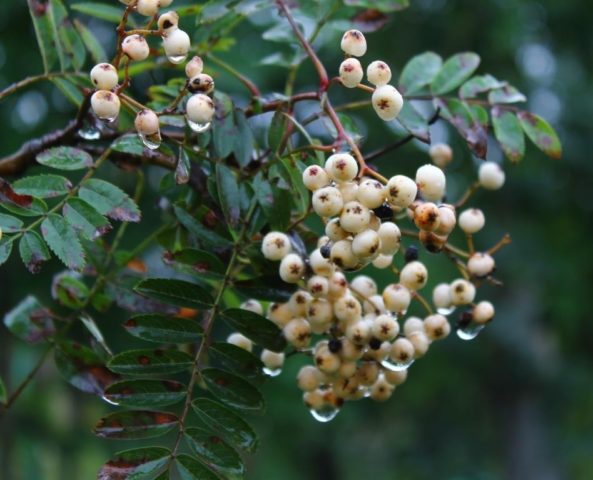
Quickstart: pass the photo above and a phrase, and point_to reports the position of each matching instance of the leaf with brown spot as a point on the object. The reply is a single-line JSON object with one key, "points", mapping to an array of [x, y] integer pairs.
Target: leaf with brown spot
{"points": [[136, 462], [135, 424], [460, 116], [8, 195], [370, 20], [30, 320], [508, 132], [191, 469], [164, 329], [215, 452], [233, 390], [33, 251], [109, 200], [145, 393], [237, 360], [150, 362], [541, 134]]}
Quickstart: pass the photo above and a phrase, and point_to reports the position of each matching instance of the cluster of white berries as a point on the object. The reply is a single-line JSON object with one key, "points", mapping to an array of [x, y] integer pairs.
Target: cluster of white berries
{"points": [[386, 100]]}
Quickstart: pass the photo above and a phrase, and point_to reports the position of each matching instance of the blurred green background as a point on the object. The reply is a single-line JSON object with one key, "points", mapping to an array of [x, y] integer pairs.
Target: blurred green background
{"points": [[517, 402]]}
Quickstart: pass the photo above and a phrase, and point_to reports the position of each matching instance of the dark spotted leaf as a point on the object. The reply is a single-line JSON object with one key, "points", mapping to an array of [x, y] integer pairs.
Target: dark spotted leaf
{"points": [[175, 292], [145, 393], [33, 251], [215, 452], [275, 201], [9, 198], [509, 133], [191, 469], [91, 42], [237, 360], [85, 219], [10, 224], [135, 424], [204, 235], [69, 290], [35, 208], [228, 194], [506, 94], [413, 121], [135, 463], [45, 32], [479, 84], [63, 241], [71, 51], [419, 72], [370, 20], [65, 158], [43, 186], [150, 362], [83, 368], [233, 390], [541, 134], [30, 320], [460, 116], [109, 200], [226, 422], [200, 261], [164, 329], [456, 70], [266, 288], [259, 329]]}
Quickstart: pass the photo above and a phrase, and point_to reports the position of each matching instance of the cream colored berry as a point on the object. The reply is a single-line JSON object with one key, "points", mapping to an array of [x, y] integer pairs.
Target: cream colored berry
{"points": [[441, 296], [480, 264], [431, 183], [366, 244], [371, 193], [436, 327], [338, 285], [351, 72], [462, 292], [315, 177], [414, 275], [441, 154], [279, 313], [146, 122], [200, 109], [105, 104], [299, 303], [342, 255], [378, 73], [326, 361], [292, 268], [397, 298], [420, 342], [241, 341], [334, 231], [350, 351], [364, 286], [426, 216], [447, 220], [309, 378], [341, 167], [298, 333], [348, 370], [136, 47], [148, 8], [318, 286], [381, 390], [165, 3], [413, 324], [319, 264], [483, 312], [168, 21], [272, 360], [367, 373], [387, 102], [252, 305], [355, 217], [349, 190], [401, 191], [275, 246], [374, 304], [491, 176], [320, 314], [472, 220], [176, 44], [385, 327], [194, 67], [347, 309], [201, 83], [402, 351], [353, 43], [327, 202], [383, 261], [104, 76], [314, 400]]}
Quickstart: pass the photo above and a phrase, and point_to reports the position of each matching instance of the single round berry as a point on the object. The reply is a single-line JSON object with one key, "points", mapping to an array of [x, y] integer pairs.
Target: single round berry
{"points": [[366, 244], [491, 176], [383, 261], [395, 378], [441, 154], [148, 8], [252, 305], [431, 182], [385, 327], [378, 73], [483, 312], [413, 324], [327, 202], [402, 351], [462, 292], [299, 303], [390, 236], [441, 296], [319, 260], [353, 43], [168, 21], [279, 313], [414, 275], [318, 286], [371, 194], [199, 109], [447, 219], [472, 220], [104, 76], [347, 309], [426, 217], [194, 67], [315, 177], [411, 254], [176, 44], [436, 327], [240, 341], [326, 361], [105, 104], [351, 72], [420, 342], [201, 83], [374, 304], [359, 332], [136, 47], [292, 268], [401, 191], [320, 314], [341, 167], [480, 265], [397, 298], [298, 333], [364, 286], [349, 191], [273, 361], [387, 102], [355, 217], [309, 378], [275, 246], [146, 122]]}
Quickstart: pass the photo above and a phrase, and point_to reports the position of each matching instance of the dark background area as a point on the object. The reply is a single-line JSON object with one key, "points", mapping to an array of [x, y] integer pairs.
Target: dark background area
{"points": [[517, 402]]}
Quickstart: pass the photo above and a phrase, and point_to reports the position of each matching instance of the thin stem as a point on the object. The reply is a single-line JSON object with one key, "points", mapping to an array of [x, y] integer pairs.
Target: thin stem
{"points": [[424, 302], [470, 243], [467, 195], [505, 240]]}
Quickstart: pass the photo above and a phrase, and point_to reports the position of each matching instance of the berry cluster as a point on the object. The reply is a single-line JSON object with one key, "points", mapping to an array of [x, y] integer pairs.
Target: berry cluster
{"points": [[107, 99]]}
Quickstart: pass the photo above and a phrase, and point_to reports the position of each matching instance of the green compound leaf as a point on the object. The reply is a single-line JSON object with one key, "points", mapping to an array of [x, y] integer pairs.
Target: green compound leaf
{"points": [[259, 329], [45, 32], [456, 70], [479, 84], [541, 134], [135, 424], [175, 292], [43, 186], [508, 132], [135, 463], [164, 329], [145, 393], [30, 320], [10, 224], [413, 121], [215, 452], [228, 194], [237, 360], [191, 469], [109, 200], [65, 158], [33, 251], [63, 241], [85, 219], [150, 362], [233, 390], [419, 72]]}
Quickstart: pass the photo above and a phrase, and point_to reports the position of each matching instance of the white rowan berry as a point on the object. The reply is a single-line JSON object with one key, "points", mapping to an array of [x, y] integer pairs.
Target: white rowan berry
{"points": [[395, 377], [491, 176], [136, 47], [318, 286], [252, 305], [374, 304], [353, 43], [374, 222], [104, 76], [309, 378], [383, 261], [390, 236], [397, 298], [347, 309], [299, 303], [472, 220], [241, 341], [313, 400], [168, 21], [480, 264], [348, 370], [341, 167], [462, 292], [345, 388], [279, 313], [371, 193], [292, 268], [378, 73], [387, 102], [441, 296], [420, 342], [364, 286], [334, 231], [401, 191], [200, 109], [341, 254], [297, 332], [426, 216], [367, 373], [319, 264], [326, 361], [165, 3], [350, 351], [402, 350], [377, 354], [272, 360], [436, 327], [431, 182], [447, 220], [381, 390], [146, 122], [327, 202], [349, 190], [275, 246], [441, 154], [351, 72], [414, 275], [338, 285], [355, 217], [194, 67], [413, 324], [148, 8], [176, 44], [320, 314], [201, 83], [315, 177], [105, 104], [366, 244], [385, 327], [483, 312]]}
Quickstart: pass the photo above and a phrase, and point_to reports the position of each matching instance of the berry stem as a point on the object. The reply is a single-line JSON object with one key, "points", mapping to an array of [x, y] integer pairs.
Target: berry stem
{"points": [[467, 195], [505, 240], [424, 302]]}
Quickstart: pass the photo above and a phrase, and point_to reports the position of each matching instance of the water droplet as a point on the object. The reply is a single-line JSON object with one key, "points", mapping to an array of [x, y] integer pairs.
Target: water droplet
{"points": [[198, 127], [446, 311], [272, 372], [470, 332], [396, 365], [109, 401], [89, 133], [325, 414], [176, 59], [152, 141]]}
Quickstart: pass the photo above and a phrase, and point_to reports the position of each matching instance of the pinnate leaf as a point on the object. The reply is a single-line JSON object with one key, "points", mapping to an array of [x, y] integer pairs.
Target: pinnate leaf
{"points": [[63, 241], [65, 158], [135, 424], [150, 362], [143, 393], [259, 329], [134, 463]]}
